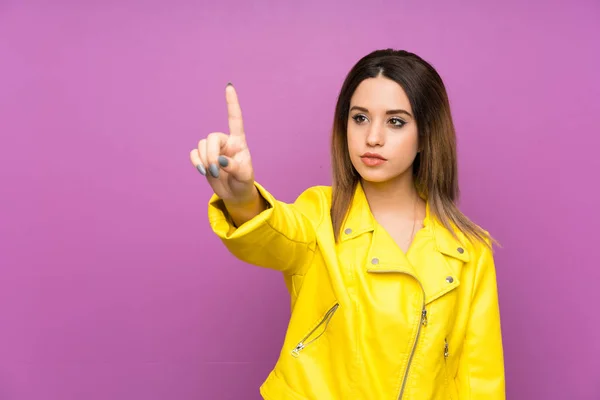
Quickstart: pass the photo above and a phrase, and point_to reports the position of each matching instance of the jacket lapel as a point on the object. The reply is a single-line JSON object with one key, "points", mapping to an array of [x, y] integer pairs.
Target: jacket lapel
{"points": [[434, 258]]}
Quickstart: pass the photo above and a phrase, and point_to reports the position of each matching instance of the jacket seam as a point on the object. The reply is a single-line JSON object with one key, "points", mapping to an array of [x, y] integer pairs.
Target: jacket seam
{"points": [[315, 227], [312, 245], [306, 243]]}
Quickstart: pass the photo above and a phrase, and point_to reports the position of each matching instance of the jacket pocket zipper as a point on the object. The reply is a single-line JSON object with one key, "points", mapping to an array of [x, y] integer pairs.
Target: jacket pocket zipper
{"points": [[325, 320], [446, 354]]}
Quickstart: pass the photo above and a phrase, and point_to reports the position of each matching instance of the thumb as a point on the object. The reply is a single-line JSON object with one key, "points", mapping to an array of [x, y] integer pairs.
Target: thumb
{"points": [[228, 164], [238, 170]]}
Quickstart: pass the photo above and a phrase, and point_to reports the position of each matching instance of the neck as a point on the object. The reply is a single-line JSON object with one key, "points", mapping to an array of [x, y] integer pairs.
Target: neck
{"points": [[398, 195]]}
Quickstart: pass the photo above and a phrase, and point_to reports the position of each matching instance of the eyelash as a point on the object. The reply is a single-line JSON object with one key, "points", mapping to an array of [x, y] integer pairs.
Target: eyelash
{"points": [[400, 122]]}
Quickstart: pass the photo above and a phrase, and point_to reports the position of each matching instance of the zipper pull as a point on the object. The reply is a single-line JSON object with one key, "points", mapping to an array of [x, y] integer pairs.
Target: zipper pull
{"points": [[424, 317], [446, 348], [297, 349]]}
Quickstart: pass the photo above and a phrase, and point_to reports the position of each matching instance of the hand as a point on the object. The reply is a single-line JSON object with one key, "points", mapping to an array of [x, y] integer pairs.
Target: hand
{"points": [[225, 159]]}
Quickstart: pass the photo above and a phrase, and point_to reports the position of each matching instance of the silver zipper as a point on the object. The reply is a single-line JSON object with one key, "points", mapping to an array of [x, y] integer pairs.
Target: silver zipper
{"points": [[301, 345], [446, 354], [423, 323], [446, 348]]}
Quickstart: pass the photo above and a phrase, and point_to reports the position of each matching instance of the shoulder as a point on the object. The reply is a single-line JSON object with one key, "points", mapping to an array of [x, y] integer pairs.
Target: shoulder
{"points": [[482, 248], [474, 238], [482, 255], [316, 192], [314, 203], [462, 245]]}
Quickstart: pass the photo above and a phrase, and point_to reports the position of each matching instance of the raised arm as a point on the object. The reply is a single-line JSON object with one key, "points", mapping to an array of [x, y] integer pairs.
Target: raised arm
{"points": [[254, 226]]}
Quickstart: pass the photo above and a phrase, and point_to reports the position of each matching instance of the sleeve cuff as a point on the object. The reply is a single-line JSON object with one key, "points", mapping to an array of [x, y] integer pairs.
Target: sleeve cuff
{"points": [[222, 224]]}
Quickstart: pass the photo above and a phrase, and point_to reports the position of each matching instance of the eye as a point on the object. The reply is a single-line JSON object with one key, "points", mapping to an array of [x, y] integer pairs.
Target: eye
{"points": [[359, 118], [397, 122]]}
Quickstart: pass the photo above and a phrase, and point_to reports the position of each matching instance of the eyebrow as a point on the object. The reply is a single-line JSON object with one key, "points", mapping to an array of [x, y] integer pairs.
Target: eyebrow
{"points": [[388, 112]]}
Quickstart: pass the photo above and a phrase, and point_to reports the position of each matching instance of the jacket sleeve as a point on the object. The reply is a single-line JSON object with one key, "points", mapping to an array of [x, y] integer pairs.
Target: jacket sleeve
{"points": [[481, 367], [280, 238]]}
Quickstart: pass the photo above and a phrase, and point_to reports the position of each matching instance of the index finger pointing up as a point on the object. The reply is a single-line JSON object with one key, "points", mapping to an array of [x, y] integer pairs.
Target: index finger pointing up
{"points": [[234, 112]]}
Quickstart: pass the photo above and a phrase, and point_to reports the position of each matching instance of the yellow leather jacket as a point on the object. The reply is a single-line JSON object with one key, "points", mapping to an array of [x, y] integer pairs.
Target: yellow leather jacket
{"points": [[368, 321]]}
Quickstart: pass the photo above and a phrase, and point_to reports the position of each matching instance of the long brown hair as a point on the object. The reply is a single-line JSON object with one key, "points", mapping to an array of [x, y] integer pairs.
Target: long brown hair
{"points": [[435, 167]]}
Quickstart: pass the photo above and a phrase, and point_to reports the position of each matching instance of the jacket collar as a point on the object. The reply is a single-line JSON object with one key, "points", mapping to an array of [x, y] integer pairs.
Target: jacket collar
{"points": [[435, 270], [360, 220]]}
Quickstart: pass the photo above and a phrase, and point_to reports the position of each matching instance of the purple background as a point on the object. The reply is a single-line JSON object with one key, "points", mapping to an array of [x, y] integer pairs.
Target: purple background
{"points": [[112, 285]]}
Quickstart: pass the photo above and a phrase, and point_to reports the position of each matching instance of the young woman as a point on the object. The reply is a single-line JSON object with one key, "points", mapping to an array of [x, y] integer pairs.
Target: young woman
{"points": [[393, 289]]}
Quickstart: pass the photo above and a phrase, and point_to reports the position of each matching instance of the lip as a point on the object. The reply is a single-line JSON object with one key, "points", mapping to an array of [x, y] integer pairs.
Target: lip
{"points": [[374, 155]]}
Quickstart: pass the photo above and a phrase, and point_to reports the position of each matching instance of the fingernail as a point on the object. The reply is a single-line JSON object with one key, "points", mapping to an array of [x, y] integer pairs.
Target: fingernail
{"points": [[201, 169], [223, 162], [229, 84], [214, 170]]}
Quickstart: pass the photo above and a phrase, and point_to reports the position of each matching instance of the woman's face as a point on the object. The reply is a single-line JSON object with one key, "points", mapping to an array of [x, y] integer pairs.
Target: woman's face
{"points": [[382, 133]]}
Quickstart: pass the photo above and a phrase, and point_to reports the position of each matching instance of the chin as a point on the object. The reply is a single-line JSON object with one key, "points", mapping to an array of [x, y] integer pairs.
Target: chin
{"points": [[375, 176]]}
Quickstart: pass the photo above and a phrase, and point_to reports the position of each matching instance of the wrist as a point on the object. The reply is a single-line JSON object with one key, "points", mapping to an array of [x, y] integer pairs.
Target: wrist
{"points": [[248, 201], [246, 208]]}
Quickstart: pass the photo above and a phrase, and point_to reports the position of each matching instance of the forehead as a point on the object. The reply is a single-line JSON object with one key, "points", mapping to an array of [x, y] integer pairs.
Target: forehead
{"points": [[380, 94]]}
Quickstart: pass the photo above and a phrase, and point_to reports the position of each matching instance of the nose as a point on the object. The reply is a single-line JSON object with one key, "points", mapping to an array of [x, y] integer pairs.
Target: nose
{"points": [[375, 136]]}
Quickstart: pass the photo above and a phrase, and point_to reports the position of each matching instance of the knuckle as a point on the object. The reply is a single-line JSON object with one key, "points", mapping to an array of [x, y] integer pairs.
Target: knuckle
{"points": [[211, 156], [195, 156], [202, 154], [213, 136]]}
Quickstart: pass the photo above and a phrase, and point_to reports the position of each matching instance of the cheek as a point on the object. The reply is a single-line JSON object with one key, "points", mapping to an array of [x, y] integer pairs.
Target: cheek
{"points": [[355, 146], [406, 146], [353, 140]]}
